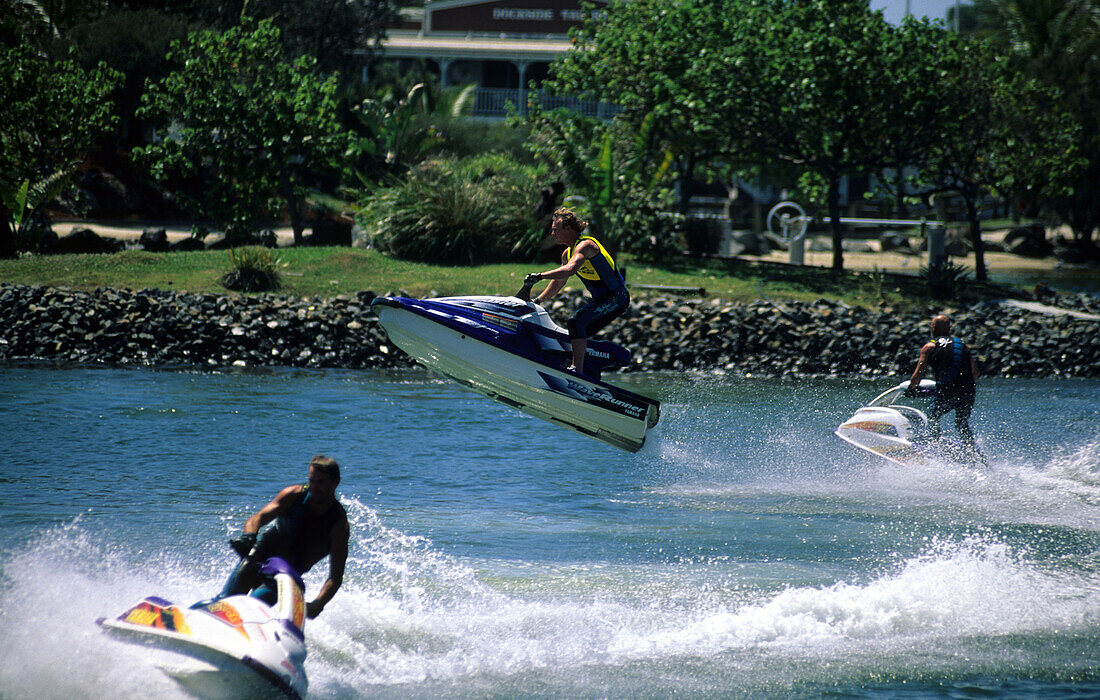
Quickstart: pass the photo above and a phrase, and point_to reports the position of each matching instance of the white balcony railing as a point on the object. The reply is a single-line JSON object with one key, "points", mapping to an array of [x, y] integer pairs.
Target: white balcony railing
{"points": [[493, 102]]}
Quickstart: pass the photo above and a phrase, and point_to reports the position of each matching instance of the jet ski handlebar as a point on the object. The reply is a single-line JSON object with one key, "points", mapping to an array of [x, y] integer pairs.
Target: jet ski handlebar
{"points": [[524, 294]]}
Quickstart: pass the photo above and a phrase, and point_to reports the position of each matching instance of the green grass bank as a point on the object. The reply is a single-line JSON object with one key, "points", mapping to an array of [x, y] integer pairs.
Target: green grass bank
{"points": [[329, 272]]}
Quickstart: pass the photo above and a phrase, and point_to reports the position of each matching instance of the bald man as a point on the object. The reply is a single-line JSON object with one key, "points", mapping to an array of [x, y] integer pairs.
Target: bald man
{"points": [[955, 370]]}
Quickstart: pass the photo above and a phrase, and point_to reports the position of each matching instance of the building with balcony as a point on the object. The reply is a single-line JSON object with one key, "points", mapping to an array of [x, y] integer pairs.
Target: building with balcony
{"points": [[502, 46]]}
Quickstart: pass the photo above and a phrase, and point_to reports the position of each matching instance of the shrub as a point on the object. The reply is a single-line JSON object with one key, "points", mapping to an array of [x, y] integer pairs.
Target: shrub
{"points": [[947, 281], [254, 270], [457, 212]]}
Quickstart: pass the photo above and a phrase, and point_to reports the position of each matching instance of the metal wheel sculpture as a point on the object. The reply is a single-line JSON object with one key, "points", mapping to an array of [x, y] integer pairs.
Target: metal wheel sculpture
{"points": [[790, 220]]}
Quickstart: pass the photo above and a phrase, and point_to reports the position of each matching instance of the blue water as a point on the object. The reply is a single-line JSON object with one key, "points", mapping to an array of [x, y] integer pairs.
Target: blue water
{"points": [[744, 552]]}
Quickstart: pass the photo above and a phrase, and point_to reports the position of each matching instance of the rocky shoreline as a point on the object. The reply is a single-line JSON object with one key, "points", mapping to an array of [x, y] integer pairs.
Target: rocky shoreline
{"points": [[823, 338]]}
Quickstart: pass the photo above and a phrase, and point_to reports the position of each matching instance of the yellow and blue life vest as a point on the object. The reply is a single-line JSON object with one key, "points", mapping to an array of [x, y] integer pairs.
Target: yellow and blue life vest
{"points": [[598, 273]]}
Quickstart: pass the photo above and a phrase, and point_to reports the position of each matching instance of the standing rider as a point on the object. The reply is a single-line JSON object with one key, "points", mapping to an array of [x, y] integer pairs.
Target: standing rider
{"points": [[585, 257], [310, 524], [955, 370]]}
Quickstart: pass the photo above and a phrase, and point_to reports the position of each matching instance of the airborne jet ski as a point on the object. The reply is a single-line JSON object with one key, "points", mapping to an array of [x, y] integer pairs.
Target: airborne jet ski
{"points": [[238, 646], [900, 434], [509, 349]]}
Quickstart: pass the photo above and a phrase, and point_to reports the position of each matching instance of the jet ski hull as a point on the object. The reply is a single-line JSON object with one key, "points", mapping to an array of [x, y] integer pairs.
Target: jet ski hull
{"points": [[205, 671], [469, 357]]}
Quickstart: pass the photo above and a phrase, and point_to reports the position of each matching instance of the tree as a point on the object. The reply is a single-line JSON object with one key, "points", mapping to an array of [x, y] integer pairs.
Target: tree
{"points": [[1058, 43], [813, 86], [645, 57], [341, 34], [1001, 133], [396, 130], [244, 124], [919, 113], [812, 82], [134, 42], [41, 22], [51, 112], [621, 172]]}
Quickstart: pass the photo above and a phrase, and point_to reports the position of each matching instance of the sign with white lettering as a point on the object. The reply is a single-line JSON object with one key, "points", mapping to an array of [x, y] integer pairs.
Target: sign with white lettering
{"points": [[507, 17]]}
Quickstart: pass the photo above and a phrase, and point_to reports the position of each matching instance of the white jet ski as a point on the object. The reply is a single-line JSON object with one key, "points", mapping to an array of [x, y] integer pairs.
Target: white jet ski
{"points": [[899, 433], [509, 349], [238, 646]]}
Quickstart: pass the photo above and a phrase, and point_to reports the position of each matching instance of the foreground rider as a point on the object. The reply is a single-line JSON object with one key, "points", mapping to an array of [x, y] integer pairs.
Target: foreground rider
{"points": [[310, 524], [955, 371], [585, 257]]}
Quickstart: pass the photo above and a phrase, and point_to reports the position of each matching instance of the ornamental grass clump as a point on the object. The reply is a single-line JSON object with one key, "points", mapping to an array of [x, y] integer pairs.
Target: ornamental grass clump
{"points": [[254, 270], [454, 213]]}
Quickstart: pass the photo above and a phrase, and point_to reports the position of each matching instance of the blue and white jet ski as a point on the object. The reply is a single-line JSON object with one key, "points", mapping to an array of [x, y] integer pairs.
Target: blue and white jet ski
{"points": [[509, 349], [238, 646], [899, 433]]}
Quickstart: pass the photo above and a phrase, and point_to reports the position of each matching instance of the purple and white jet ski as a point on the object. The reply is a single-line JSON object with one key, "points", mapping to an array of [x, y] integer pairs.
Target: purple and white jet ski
{"points": [[238, 646], [509, 349]]}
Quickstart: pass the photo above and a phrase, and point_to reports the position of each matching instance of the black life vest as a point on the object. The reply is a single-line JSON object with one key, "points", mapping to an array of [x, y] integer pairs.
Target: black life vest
{"points": [[951, 365], [301, 536]]}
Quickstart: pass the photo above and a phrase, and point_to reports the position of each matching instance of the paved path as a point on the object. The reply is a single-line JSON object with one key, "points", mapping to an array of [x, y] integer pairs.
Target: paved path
{"points": [[175, 231], [1050, 310]]}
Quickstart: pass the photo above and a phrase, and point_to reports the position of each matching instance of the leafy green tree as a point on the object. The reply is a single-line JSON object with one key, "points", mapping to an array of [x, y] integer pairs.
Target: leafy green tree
{"points": [[644, 57], [919, 114], [135, 43], [1058, 43], [51, 112], [341, 34], [812, 85], [622, 175], [243, 124], [1002, 134], [395, 130]]}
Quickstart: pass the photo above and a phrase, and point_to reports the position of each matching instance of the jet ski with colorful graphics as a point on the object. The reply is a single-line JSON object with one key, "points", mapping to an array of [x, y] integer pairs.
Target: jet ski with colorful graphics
{"points": [[509, 349], [899, 432], [238, 646]]}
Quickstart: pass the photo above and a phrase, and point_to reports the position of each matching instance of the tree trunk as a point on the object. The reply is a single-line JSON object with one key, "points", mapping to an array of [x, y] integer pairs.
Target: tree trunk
{"points": [[7, 235], [291, 204], [833, 202], [902, 210], [976, 237]]}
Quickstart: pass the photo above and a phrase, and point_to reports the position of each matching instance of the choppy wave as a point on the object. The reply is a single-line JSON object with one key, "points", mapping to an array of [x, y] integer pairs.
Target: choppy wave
{"points": [[955, 592], [972, 588], [411, 617]]}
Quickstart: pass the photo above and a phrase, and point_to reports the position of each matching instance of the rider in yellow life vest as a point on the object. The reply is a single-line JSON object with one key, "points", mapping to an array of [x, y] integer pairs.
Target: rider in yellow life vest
{"points": [[585, 257]]}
